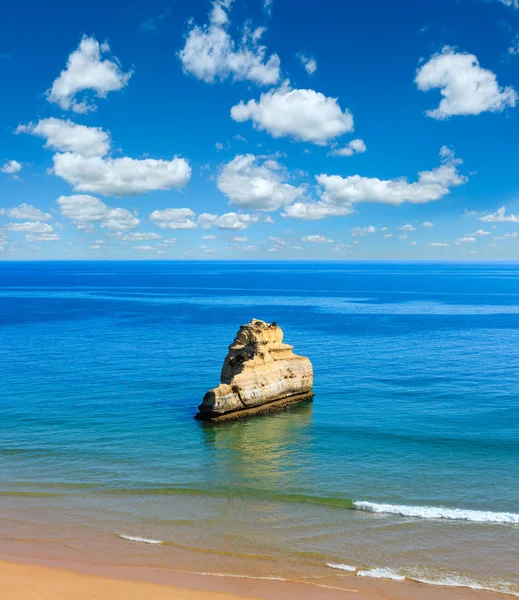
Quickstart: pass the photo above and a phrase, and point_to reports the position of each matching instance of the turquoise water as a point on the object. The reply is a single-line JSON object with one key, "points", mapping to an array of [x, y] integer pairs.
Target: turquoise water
{"points": [[412, 442]]}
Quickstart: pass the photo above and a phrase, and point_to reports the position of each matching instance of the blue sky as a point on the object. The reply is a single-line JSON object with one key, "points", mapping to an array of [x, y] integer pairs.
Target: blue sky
{"points": [[260, 130]]}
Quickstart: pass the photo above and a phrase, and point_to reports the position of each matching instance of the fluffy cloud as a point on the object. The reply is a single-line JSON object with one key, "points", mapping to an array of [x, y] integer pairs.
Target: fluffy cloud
{"points": [[86, 70], [85, 211], [431, 185], [362, 231], [211, 54], [11, 167], [427, 224], [354, 147], [31, 227], [26, 212], [230, 220], [340, 194], [174, 218], [500, 216], [81, 161], [407, 227], [42, 237], [250, 183], [305, 115], [316, 239], [308, 63], [66, 136], [478, 233], [467, 88], [120, 176], [465, 240], [438, 244]]}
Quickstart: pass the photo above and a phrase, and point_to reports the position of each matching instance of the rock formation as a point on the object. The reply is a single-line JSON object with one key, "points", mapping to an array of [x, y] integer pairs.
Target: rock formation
{"points": [[260, 373]]}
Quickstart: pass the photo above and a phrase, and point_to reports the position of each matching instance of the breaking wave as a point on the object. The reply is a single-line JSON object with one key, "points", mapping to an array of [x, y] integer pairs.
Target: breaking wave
{"points": [[433, 512], [132, 538]]}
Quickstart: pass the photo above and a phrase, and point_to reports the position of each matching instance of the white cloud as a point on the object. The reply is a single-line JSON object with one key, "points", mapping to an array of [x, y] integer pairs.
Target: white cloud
{"points": [[240, 239], [305, 115], [388, 235], [174, 218], [42, 237], [11, 167], [134, 236], [412, 243], [120, 176], [31, 227], [248, 183], [267, 5], [478, 232], [85, 211], [500, 216], [211, 54], [227, 221], [86, 70], [437, 244], [403, 237], [354, 147], [316, 239], [507, 236], [407, 227], [208, 237], [67, 136], [427, 224], [465, 240], [144, 248], [26, 212], [313, 211], [431, 185], [340, 194], [362, 231], [467, 88], [309, 63]]}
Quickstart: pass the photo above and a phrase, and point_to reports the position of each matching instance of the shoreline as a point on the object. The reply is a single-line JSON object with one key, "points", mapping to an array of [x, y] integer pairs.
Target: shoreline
{"points": [[50, 576]]}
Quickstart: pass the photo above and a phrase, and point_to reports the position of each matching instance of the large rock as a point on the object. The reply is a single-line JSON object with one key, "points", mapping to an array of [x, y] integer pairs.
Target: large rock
{"points": [[260, 373]]}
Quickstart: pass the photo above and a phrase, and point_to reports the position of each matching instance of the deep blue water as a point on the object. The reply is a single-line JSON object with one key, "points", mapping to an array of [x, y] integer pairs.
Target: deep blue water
{"points": [[103, 364]]}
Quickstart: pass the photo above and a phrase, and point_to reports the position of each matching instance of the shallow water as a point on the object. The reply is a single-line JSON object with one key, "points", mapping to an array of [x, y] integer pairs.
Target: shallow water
{"points": [[411, 444]]}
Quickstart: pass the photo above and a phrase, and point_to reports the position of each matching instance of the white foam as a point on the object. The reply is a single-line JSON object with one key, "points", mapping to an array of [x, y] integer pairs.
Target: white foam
{"points": [[132, 538], [381, 574], [341, 567], [454, 580], [433, 512]]}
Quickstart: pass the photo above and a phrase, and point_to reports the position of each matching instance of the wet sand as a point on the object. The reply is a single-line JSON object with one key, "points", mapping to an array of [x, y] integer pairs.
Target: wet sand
{"points": [[31, 578]]}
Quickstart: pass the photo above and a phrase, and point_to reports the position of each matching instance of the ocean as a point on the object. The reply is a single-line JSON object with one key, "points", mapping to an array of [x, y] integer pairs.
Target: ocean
{"points": [[405, 465]]}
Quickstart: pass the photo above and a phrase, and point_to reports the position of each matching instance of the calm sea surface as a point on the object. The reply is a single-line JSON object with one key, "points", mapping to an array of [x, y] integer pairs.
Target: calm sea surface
{"points": [[405, 465]]}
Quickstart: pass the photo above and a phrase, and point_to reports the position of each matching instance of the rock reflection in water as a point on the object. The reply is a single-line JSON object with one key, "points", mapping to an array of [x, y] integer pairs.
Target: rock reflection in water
{"points": [[266, 453]]}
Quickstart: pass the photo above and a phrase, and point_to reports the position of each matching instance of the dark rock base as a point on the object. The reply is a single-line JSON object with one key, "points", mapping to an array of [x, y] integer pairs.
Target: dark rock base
{"points": [[274, 406]]}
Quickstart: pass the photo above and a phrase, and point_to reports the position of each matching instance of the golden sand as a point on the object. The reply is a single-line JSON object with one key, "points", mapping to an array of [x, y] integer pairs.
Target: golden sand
{"points": [[31, 580]]}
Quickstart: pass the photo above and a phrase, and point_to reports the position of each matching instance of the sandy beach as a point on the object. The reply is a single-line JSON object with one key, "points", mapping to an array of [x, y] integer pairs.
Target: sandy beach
{"points": [[34, 582], [42, 579]]}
